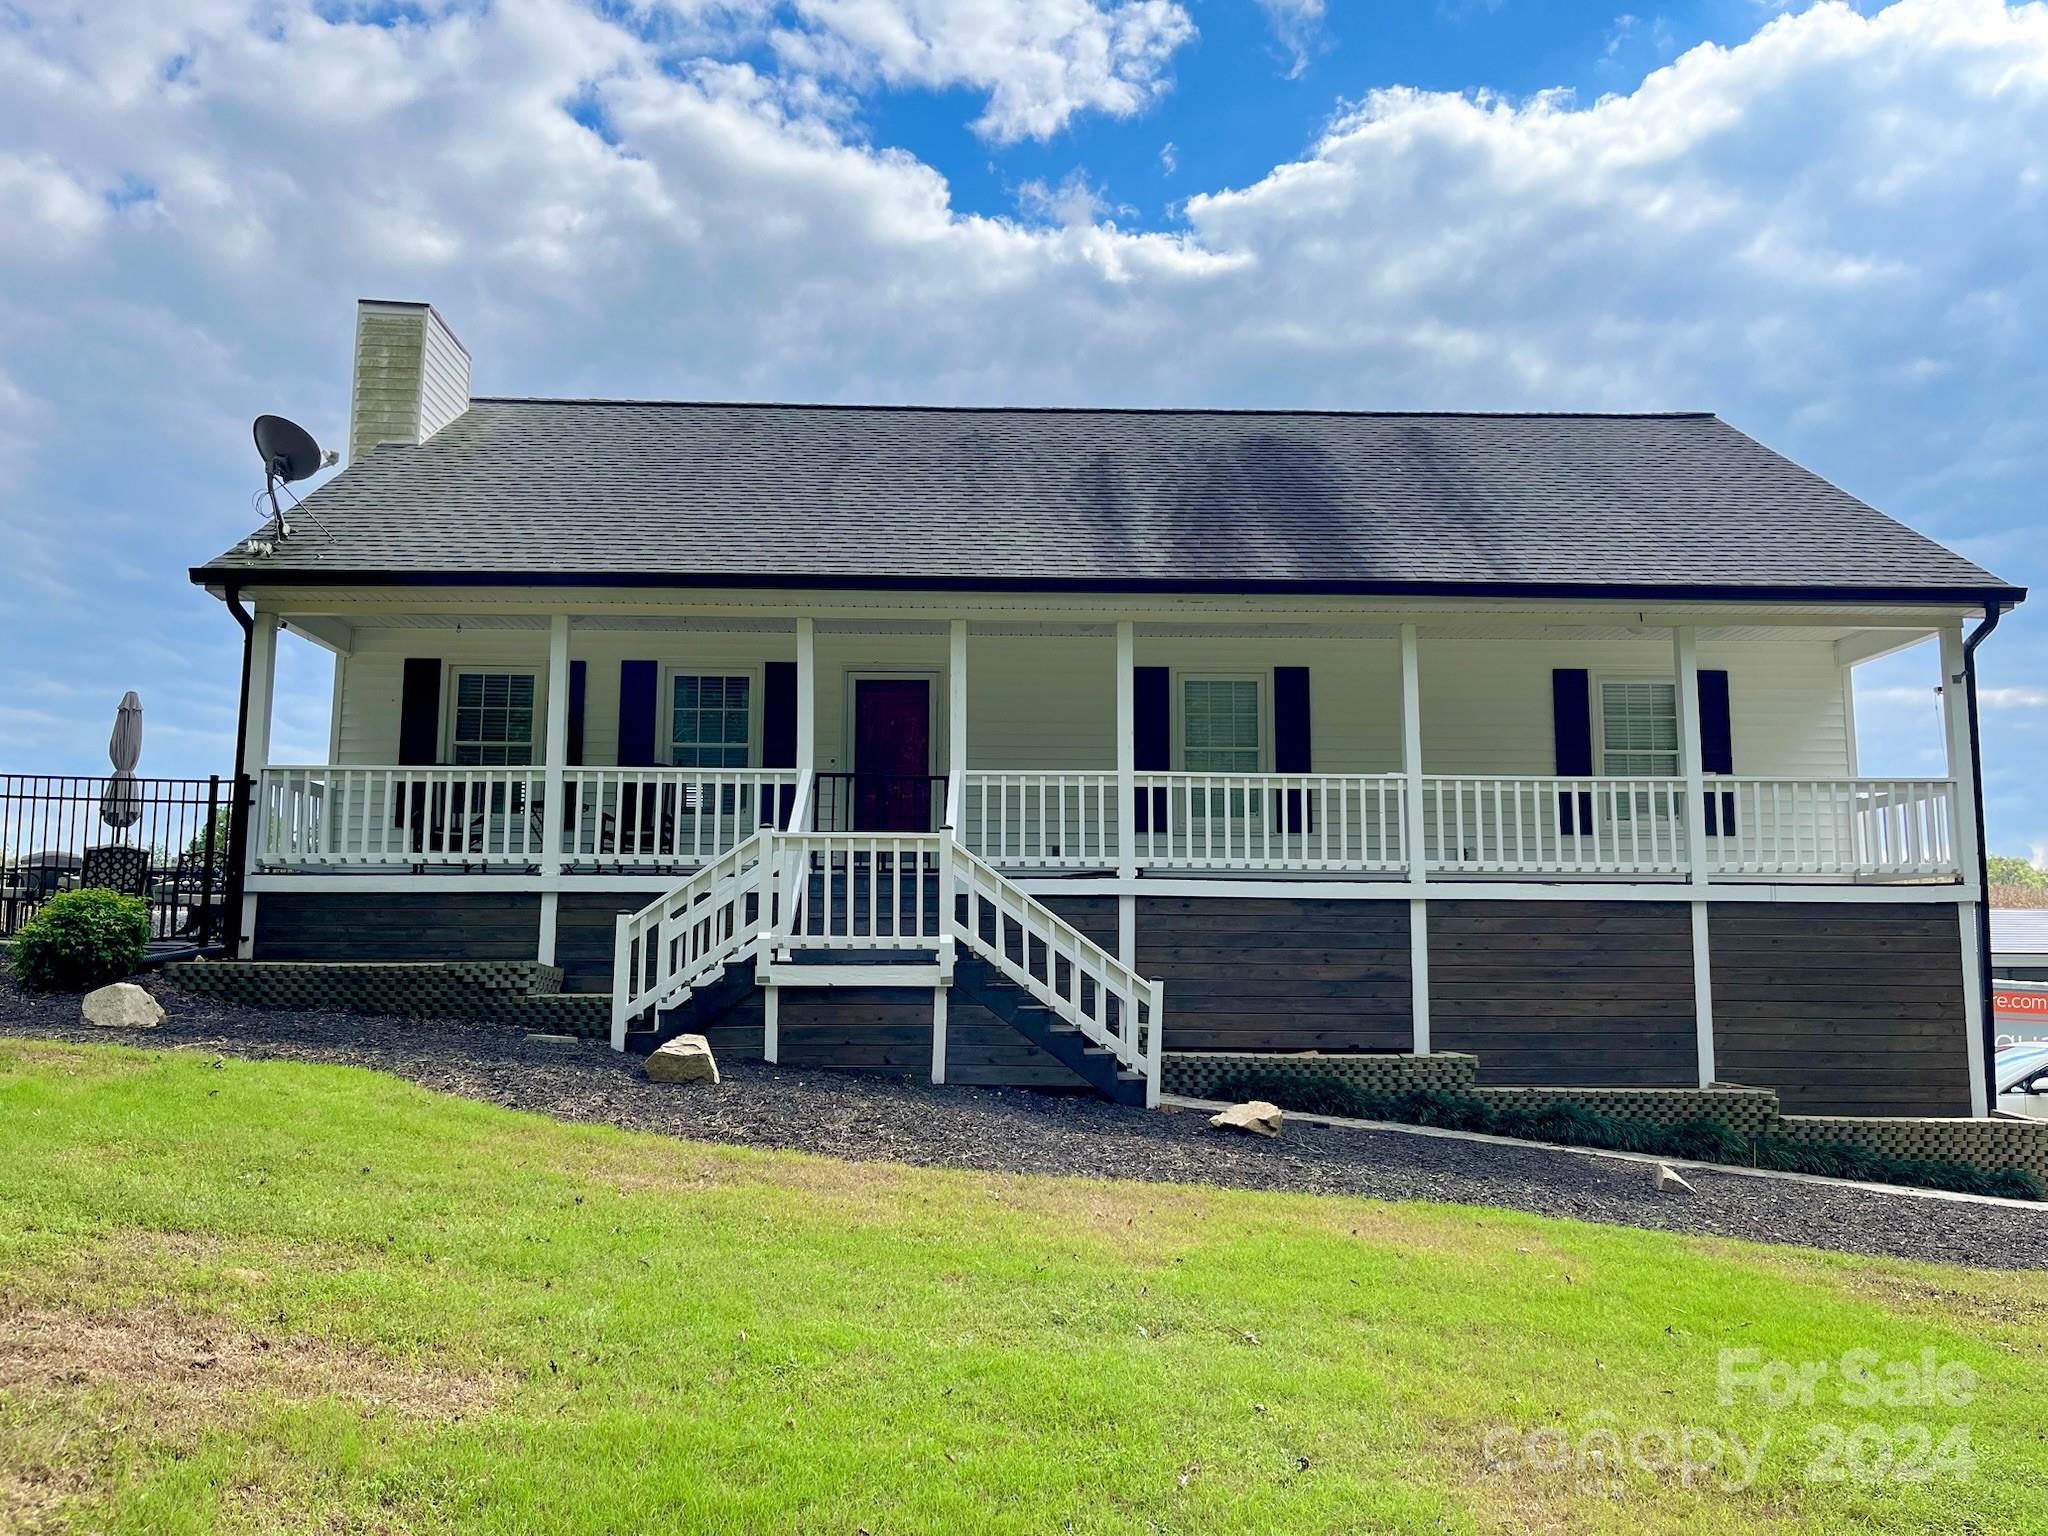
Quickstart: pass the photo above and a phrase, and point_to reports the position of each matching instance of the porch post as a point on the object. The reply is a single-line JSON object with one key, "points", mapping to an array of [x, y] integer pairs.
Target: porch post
{"points": [[1964, 832], [956, 725], [1686, 671], [806, 722], [256, 758], [1412, 833], [1126, 791], [554, 802]]}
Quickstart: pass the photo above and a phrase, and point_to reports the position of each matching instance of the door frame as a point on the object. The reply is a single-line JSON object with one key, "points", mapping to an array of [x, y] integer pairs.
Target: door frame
{"points": [[931, 677]]}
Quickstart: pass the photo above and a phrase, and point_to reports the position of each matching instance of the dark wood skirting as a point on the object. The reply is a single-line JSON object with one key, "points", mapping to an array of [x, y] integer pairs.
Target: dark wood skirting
{"points": [[1845, 1009], [1272, 974], [1581, 993], [397, 925], [586, 927]]}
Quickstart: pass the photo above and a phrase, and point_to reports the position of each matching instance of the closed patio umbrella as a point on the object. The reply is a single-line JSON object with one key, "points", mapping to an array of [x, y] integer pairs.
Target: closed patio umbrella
{"points": [[121, 803]]}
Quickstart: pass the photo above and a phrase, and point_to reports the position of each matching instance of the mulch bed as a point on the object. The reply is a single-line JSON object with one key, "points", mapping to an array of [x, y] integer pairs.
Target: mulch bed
{"points": [[872, 1116]]}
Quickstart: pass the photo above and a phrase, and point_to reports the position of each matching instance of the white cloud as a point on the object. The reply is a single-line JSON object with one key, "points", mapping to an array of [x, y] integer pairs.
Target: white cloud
{"points": [[1041, 61], [2012, 698], [1297, 26]]}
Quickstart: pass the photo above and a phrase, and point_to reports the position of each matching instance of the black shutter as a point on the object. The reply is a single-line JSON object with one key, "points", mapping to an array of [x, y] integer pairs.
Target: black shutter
{"points": [[419, 712], [1291, 732], [1717, 750], [778, 715], [1571, 714], [1152, 737], [778, 729], [579, 681], [638, 685], [419, 742]]}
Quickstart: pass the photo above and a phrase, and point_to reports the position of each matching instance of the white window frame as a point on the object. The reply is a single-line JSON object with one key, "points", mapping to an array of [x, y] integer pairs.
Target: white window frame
{"points": [[1600, 682], [454, 673], [667, 724], [1259, 682]]}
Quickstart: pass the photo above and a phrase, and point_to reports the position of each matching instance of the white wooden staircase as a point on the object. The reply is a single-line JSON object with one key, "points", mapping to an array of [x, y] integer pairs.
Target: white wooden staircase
{"points": [[886, 909]]}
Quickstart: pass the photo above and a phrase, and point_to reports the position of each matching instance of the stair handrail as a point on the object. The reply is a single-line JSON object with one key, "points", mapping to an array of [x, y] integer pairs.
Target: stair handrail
{"points": [[701, 924], [1134, 1036]]}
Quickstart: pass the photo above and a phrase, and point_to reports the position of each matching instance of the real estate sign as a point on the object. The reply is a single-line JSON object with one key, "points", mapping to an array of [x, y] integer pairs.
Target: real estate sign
{"points": [[2020, 1010]]}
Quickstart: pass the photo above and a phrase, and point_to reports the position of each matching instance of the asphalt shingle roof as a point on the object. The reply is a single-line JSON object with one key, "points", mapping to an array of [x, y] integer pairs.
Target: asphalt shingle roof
{"points": [[580, 491]]}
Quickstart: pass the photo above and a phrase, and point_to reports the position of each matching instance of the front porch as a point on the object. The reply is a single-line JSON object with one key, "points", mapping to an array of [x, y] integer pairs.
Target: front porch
{"points": [[1409, 753]]}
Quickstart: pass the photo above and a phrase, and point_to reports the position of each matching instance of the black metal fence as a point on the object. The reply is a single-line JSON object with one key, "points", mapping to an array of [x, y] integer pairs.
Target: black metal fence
{"points": [[878, 802], [56, 835]]}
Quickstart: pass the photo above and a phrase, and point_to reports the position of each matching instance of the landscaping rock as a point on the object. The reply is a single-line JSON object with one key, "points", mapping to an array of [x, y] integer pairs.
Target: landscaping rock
{"points": [[123, 1005], [685, 1059], [1669, 1182], [1258, 1117]]}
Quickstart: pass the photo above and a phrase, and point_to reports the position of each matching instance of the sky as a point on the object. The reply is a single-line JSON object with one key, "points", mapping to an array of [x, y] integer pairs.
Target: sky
{"points": [[1829, 224]]}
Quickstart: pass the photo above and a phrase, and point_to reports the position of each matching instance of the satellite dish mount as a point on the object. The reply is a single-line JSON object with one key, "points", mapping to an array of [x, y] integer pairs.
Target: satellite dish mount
{"points": [[288, 453]]}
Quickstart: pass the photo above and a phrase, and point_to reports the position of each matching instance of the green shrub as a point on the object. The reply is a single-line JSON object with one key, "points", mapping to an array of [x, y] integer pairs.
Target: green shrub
{"points": [[1581, 1125], [82, 939]]}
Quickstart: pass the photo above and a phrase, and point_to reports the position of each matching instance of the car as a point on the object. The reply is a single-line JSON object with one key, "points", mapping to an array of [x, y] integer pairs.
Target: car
{"points": [[2022, 1077]]}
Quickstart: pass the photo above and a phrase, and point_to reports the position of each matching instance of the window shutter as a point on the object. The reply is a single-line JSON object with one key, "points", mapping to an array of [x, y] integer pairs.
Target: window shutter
{"points": [[579, 680], [1571, 714], [1291, 732], [639, 682], [778, 729], [1152, 732], [419, 712], [778, 715], [1717, 750], [419, 741]]}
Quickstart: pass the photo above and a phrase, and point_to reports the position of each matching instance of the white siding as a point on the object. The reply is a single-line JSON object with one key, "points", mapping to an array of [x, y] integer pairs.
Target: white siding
{"points": [[444, 377], [1049, 702], [1486, 704], [384, 401]]}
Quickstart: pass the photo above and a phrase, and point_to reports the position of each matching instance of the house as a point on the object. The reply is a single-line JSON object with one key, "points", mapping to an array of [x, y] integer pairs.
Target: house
{"points": [[1029, 745]]}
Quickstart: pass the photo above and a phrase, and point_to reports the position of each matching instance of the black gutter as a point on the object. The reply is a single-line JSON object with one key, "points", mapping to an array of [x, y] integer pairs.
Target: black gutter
{"points": [[238, 802], [1223, 586], [1977, 637]]}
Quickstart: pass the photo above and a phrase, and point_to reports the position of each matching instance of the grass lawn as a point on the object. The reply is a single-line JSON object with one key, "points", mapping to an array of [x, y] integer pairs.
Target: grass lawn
{"points": [[265, 1295]]}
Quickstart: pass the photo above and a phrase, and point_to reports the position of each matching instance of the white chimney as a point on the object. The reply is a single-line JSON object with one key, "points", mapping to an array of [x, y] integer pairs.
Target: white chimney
{"points": [[411, 375]]}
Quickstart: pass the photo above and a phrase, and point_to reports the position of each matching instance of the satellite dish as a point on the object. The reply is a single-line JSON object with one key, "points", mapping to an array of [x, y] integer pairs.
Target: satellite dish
{"points": [[289, 453], [286, 448]]}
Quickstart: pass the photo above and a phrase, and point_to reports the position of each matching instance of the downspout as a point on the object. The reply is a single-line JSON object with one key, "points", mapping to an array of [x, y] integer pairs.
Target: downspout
{"points": [[1992, 614], [238, 803]]}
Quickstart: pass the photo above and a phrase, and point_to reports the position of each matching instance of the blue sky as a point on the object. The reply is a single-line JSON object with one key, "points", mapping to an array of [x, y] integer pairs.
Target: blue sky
{"points": [[1826, 223]]}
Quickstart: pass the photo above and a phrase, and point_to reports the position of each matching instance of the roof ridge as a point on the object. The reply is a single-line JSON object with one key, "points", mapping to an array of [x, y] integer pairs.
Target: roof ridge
{"points": [[1090, 410]]}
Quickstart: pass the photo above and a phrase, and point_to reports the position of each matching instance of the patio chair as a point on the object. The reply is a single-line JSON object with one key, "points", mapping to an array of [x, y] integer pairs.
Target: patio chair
{"points": [[116, 867]]}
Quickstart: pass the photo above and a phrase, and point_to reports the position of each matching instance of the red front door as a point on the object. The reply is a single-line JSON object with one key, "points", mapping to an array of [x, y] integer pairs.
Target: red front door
{"points": [[892, 747]]}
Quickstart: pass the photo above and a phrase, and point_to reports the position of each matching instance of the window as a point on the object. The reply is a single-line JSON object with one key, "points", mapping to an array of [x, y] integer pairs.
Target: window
{"points": [[710, 720], [493, 718], [1220, 725], [1639, 729]]}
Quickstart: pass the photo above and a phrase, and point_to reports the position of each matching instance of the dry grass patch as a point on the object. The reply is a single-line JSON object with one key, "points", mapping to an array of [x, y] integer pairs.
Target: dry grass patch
{"points": [[189, 1367]]}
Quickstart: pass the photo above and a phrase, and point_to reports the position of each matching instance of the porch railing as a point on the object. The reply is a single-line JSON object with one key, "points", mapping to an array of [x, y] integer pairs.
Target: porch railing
{"points": [[859, 890], [1041, 820], [871, 802], [1872, 827], [1339, 824], [1511, 825], [403, 816], [669, 816], [1348, 823]]}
